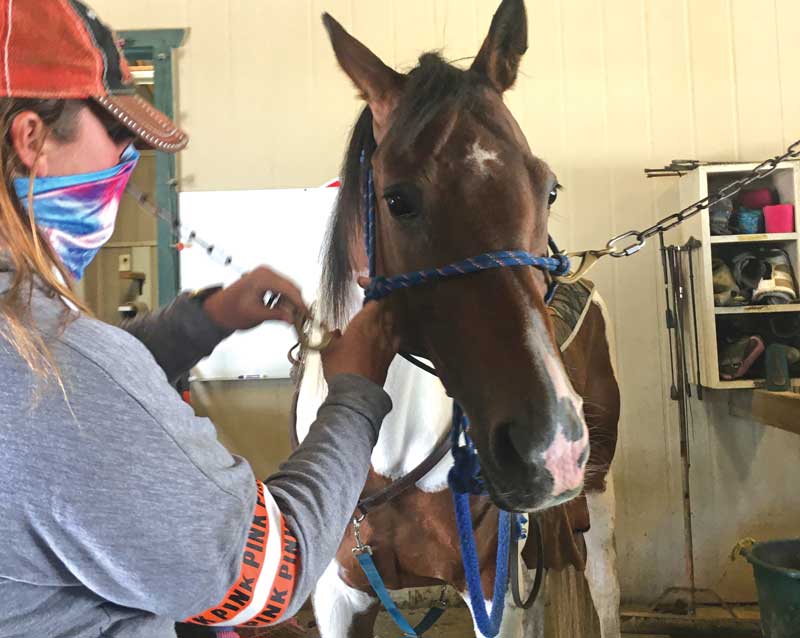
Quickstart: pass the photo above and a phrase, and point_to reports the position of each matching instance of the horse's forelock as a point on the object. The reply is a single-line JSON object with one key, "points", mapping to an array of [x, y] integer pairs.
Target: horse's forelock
{"points": [[344, 226]]}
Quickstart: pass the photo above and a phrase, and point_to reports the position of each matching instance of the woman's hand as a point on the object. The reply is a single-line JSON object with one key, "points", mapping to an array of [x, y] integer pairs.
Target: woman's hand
{"points": [[367, 347], [241, 305]]}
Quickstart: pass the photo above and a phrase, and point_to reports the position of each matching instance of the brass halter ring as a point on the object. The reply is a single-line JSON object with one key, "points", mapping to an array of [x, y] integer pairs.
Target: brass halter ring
{"points": [[306, 327]]}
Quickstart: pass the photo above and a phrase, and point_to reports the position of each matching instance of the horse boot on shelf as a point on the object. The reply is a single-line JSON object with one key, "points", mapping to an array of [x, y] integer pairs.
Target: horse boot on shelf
{"points": [[792, 358], [720, 217], [777, 284], [777, 360], [757, 198], [747, 221], [726, 290], [748, 271], [785, 328], [737, 358]]}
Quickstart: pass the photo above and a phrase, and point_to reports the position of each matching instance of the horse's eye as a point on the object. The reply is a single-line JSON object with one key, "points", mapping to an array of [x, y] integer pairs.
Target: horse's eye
{"points": [[552, 197], [399, 205]]}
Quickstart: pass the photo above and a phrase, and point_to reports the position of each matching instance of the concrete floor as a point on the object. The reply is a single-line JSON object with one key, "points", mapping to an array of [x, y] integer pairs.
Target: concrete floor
{"points": [[569, 613], [457, 623]]}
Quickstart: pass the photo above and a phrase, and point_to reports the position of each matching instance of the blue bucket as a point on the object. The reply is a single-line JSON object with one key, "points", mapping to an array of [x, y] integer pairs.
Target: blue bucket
{"points": [[776, 566]]}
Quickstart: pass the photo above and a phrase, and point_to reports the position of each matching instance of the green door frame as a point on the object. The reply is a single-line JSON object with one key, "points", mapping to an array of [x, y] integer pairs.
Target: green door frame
{"points": [[157, 45]]}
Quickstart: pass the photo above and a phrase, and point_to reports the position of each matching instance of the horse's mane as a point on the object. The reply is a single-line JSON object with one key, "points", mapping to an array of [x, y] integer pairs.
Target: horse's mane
{"points": [[434, 88]]}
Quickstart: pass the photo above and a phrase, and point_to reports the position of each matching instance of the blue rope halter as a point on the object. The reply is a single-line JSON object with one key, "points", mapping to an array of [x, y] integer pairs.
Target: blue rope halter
{"points": [[381, 287], [464, 478]]}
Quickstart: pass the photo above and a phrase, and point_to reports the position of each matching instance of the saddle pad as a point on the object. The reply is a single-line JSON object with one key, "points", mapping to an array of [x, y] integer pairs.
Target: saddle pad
{"points": [[568, 309], [563, 526]]}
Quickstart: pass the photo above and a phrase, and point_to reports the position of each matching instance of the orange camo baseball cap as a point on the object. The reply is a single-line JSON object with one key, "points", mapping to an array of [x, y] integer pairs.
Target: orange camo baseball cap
{"points": [[59, 49]]}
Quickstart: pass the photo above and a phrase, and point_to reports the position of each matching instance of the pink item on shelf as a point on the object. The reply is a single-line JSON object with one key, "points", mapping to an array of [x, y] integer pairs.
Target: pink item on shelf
{"points": [[756, 199], [779, 218]]}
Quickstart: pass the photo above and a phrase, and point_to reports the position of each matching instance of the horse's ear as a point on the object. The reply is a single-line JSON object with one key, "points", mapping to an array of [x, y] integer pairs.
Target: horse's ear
{"points": [[499, 57], [380, 85]]}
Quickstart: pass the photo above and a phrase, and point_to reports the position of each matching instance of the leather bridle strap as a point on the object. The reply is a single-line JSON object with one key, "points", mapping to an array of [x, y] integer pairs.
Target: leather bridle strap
{"points": [[513, 568], [395, 488]]}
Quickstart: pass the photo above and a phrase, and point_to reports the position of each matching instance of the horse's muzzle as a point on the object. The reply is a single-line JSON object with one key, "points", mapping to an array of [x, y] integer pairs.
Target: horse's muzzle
{"points": [[531, 468]]}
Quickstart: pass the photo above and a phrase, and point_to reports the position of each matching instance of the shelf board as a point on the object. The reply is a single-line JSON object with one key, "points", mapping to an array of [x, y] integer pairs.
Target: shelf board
{"points": [[757, 310], [776, 409], [740, 384], [756, 384], [753, 239], [750, 384]]}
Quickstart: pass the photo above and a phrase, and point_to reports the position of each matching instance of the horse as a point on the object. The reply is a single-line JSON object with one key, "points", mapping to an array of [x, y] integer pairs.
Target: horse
{"points": [[454, 176]]}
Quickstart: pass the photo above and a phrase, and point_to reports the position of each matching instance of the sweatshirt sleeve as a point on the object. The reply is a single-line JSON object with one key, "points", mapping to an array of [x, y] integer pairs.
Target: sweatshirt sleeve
{"points": [[308, 503], [153, 513], [177, 335]]}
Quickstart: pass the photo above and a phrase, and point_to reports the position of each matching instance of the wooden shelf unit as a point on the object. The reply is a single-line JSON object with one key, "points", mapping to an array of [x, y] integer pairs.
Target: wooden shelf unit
{"points": [[696, 185]]}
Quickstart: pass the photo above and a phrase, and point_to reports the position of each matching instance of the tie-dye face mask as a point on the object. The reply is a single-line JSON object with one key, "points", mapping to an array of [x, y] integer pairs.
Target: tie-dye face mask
{"points": [[77, 213]]}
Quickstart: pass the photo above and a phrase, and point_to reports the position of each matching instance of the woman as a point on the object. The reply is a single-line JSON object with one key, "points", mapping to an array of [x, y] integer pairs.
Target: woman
{"points": [[120, 512]]}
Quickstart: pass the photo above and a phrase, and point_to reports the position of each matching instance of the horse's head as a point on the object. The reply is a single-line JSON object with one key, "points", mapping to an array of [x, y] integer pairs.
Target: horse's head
{"points": [[454, 177]]}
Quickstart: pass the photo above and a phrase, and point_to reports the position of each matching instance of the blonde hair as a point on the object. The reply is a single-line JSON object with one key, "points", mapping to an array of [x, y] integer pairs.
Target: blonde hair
{"points": [[28, 253]]}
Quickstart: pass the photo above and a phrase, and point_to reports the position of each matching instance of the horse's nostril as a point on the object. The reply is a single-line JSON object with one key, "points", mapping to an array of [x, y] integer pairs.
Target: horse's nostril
{"points": [[521, 441], [571, 420], [504, 446]]}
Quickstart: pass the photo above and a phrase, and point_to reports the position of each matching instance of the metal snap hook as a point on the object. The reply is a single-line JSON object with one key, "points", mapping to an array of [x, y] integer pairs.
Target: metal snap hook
{"points": [[586, 261], [360, 547], [442, 602], [306, 327]]}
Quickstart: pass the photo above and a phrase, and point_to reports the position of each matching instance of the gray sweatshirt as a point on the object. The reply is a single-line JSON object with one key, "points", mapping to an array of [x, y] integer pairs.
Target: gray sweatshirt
{"points": [[121, 513]]}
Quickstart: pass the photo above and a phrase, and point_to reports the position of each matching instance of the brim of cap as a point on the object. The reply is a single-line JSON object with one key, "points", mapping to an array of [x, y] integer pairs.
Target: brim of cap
{"points": [[146, 122]]}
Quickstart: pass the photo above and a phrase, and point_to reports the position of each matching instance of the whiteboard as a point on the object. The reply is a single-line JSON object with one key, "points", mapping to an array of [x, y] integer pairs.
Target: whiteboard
{"points": [[282, 229]]}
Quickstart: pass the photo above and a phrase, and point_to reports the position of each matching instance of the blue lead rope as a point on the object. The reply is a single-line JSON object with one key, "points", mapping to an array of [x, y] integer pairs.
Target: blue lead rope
{"points": [[488, 623], [375, 580], [465, 479]]}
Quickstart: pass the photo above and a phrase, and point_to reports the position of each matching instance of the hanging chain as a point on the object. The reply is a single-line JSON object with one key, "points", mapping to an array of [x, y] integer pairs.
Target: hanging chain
{"points": [[765, 168], [638, 238]]}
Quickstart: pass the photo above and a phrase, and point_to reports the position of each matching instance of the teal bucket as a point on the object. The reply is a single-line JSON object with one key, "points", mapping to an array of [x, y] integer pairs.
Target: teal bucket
{"points": [[776, 565]]}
